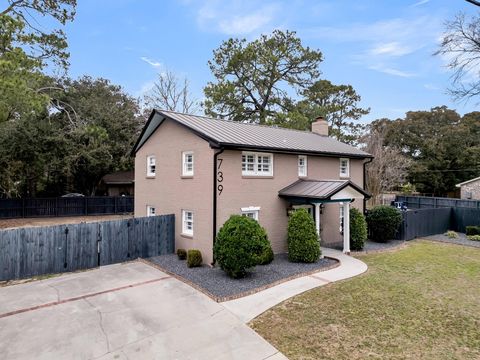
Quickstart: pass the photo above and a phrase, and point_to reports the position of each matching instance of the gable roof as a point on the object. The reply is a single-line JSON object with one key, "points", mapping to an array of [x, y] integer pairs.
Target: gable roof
{"points": [[318, 189], [119, 177], [467, 182], [230, 134]]}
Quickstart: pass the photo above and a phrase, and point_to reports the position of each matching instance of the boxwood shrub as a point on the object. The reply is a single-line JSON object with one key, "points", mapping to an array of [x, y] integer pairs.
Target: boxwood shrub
{"points": [[472, 230], [358, 230], [194, 258], [182, 254], [473, 237], [241, 244], [302, 238], [383, 222]]}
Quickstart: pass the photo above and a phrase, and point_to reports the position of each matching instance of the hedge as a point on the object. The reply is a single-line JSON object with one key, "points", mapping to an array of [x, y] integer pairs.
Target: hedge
{"points": [[383, 222], [302, 238], [358, 230]]}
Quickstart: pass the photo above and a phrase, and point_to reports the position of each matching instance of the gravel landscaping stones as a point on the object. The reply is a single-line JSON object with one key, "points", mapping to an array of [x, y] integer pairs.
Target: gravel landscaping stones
{"points": [[461, 240], [372, 246], [215, 283]]}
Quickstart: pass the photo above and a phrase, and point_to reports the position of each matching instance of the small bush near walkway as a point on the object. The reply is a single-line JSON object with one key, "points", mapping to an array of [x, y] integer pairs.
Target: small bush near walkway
{"points": [[383, 222], [472, 230], [358, 230], [194, 258], [240, 245], [302, 238], [182, 254]]}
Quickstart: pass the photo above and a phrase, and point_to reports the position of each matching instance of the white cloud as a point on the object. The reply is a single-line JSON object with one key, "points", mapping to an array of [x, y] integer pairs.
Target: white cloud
{"points": [[392, 71], [391, 49], [237, 17], [431, 87], [151, 62], [419, 3]]}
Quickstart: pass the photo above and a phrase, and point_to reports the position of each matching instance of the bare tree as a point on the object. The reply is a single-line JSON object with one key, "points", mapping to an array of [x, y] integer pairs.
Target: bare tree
{"points": [[389, 167], [171, 93], [461, 46]]}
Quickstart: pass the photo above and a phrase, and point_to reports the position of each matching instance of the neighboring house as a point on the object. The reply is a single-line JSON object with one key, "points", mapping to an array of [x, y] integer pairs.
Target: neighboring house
{"points": [[470, 190], [203, 170], [117, 184]]}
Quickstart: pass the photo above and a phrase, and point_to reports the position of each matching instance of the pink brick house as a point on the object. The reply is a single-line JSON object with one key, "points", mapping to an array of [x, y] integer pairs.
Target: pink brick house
{"points": [[203, 170]]}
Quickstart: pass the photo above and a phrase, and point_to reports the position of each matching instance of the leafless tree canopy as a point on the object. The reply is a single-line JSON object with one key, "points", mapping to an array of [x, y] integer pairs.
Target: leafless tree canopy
{"points": [[460, 45], [171, 93], [389, 167]]}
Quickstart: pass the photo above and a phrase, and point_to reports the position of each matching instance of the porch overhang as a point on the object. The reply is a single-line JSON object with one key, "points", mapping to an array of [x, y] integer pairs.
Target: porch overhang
{"points": [[323, 191]]}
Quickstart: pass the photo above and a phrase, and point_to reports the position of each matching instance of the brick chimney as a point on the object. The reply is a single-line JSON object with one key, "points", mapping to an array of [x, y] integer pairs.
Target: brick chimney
{"points": [[320, 126]]}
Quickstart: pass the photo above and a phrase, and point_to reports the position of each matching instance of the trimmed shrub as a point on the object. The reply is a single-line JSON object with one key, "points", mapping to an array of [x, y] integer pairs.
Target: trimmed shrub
{"points": [[383, 222], [472, 230], [182, 254], [358, 229], [302, 238], [241, 244], [451, 234], [194, 258], [266, 257], [473, 237]]}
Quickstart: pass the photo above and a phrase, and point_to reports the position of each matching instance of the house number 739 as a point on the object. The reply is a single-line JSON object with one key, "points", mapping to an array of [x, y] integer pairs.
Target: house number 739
{"points": [[219, 176]]}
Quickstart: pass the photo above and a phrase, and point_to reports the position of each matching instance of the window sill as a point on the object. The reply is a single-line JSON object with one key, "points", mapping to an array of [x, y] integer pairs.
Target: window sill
{"points": [[257, 177], [302, 176], [188, 236], [345, 176], [150, 177], [186, 177]]}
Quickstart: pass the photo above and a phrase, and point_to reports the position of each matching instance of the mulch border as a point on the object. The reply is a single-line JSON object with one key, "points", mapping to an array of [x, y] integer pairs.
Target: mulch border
{"points": [[220, 299]]}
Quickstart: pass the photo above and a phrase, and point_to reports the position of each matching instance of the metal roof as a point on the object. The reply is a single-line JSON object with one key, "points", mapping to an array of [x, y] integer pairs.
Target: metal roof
{"points": [[251, 136], [318, 189]]}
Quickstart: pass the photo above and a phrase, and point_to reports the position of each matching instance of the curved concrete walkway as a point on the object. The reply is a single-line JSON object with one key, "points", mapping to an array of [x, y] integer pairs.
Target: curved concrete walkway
{"points": [[249, 307]]}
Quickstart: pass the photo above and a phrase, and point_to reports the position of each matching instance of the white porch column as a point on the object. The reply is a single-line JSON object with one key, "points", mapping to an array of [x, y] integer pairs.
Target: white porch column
{"points": [[346, 227], [317, 218]]}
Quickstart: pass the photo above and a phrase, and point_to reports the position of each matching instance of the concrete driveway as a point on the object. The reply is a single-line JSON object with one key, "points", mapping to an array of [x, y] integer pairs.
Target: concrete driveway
{"points": [[123, 311]]}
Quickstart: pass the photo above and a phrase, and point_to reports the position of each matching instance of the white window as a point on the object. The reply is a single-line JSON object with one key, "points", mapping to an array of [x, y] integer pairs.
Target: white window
{"points": [[257, 164], [251, 212], [302, 165], [187, 163], [187, 222], [150, 210], [344, 167], [342, 216], [151, 165]]}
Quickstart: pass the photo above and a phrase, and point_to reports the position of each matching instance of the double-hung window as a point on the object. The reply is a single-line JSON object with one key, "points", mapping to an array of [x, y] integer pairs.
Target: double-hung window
{"points": [[187, 222], [187, 163], [344, 167], [151, 165], [251, 212], [257, 164], [302, 165], [150, 210]]}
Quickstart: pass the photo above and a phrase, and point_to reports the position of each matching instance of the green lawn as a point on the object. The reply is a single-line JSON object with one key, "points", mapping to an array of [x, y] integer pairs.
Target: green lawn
{"points": [[420, 302]]}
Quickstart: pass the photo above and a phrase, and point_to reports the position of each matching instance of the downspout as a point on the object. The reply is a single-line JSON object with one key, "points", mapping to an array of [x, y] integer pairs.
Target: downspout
{"points": [[365, 182], [214, 230]]}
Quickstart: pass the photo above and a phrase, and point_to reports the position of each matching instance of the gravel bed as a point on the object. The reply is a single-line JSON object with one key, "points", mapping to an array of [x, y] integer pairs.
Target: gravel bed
{"points": [[461, 240], [218, 285]]}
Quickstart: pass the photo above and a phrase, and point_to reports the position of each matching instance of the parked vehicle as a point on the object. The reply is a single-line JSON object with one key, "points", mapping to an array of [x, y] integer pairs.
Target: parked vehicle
{"points": [[73, 195]]}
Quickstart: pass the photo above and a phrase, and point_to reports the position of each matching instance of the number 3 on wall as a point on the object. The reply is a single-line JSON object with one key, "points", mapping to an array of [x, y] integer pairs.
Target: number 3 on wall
{"points": [[219, 176]]}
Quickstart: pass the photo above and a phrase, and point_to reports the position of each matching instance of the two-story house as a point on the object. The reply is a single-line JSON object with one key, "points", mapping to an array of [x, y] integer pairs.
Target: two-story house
{"points": [[203, 170]]}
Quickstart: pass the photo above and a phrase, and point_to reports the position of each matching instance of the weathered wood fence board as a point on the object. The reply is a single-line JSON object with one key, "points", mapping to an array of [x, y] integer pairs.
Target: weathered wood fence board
{"points": [[27, 252], [67, 206]]}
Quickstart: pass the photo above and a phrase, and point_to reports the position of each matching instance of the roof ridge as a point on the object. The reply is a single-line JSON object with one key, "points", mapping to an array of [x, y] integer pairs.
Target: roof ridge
{"points": [[243, 123]]}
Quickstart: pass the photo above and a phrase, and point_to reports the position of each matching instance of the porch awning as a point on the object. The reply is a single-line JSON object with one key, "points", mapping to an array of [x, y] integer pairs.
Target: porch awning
{"points": [[323, 190]]}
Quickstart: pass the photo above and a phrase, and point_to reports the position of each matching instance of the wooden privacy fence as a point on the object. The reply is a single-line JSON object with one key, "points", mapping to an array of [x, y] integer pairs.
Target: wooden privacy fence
{"points": [[26, 252], [65, 206], [423, 202], [425, 222]]}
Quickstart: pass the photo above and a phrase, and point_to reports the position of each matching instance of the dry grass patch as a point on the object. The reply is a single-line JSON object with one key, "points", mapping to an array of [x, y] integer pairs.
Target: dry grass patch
{"points": [[420, 302]]}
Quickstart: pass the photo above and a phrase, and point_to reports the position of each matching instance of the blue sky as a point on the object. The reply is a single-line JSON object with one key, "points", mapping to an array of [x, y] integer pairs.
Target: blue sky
{"points": [[383, 48]]}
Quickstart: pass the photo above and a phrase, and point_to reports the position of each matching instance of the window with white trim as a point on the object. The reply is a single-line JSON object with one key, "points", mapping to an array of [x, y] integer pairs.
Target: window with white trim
{"points": [[187, 222], [342, 216], [344, 167], [151, 165], [302, 165], [257, 164], [150, 210], [251, 212], [187, 163]]}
